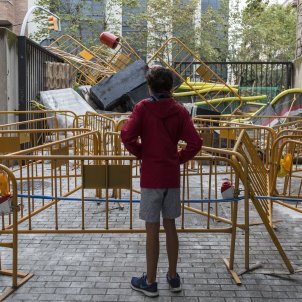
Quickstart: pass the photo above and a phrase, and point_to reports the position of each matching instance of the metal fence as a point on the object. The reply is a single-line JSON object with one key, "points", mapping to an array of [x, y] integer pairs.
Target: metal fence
{"points": [[253, 78], [32, 58]]}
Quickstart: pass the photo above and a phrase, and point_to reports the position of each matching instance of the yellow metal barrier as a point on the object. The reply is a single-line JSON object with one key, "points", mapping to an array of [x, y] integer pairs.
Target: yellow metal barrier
{"points": [[13, 244], [70, 196], [105, 122], [274, 121], [100, 122], [65, 118], [59, 177], [225, 134], [251, 166], [89, 67], [109, 126], [16, 140], [42, 123], [286, 176], [211, 91], [264, 165], [289, 131], [258, 183], [94, 64], [85, 143]]}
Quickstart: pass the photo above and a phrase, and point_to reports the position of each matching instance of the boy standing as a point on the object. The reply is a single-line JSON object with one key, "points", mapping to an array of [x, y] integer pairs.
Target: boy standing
{"points": [[160, 122]]}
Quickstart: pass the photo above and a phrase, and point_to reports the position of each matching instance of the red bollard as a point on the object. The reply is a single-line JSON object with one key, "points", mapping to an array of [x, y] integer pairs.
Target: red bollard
{"points": [[109, 39]]}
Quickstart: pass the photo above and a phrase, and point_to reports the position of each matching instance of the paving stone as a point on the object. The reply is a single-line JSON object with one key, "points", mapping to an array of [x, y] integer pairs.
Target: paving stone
{"points": [[106, 298], [78, 298], [238, 299], [23, 297], [99, 267], [212, 299], [52, 297]]}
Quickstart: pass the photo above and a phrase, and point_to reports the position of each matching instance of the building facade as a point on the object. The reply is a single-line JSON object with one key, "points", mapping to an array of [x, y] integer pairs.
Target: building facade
{"points": [[107, 15], [12, 13], [126, 31], [298, 60]]}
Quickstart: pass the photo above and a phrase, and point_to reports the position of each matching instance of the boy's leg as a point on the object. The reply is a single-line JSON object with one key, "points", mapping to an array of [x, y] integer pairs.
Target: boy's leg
{"points": [[152, 249], [172, 245]]}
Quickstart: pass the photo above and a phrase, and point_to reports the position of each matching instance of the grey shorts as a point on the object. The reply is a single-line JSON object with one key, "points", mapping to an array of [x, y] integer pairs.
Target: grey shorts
{"points": [[154, 201]]}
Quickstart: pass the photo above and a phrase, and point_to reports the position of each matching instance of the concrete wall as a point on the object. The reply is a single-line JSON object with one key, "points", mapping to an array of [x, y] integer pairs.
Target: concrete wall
{"points": [[9, 89]]}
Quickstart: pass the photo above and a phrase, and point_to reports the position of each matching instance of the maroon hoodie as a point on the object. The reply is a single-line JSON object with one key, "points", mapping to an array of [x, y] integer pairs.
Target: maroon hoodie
{"points": [[160, 125]]}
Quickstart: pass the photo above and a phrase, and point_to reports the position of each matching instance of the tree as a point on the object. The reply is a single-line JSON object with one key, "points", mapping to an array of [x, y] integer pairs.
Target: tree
{"points": [[262, 31], [157, 20], [266, 32], [205, 34], [145, 20], [213, 33], [81, 19], [256, 5]]}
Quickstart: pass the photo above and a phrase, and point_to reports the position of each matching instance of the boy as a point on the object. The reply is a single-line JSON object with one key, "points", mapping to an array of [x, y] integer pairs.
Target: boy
{"points": [[160, 122]]}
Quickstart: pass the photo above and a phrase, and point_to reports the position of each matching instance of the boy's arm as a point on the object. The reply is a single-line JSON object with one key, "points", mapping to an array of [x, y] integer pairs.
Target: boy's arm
{"points": [[191, 137], [131, 131]]}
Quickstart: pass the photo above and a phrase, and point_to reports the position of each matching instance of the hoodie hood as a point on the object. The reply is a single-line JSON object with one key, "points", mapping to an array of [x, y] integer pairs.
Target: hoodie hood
{"points": [[163, 108]]}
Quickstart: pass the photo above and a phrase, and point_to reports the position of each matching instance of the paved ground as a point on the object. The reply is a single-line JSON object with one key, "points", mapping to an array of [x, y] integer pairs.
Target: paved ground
{"points": [[99, 267]]}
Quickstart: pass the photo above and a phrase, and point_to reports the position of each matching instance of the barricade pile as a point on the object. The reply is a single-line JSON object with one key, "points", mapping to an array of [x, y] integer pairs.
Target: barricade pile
{"points": [[71, 180]]}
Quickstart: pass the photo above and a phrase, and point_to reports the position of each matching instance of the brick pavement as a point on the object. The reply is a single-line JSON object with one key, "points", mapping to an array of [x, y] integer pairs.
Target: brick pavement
{"points": [[98, 267]]}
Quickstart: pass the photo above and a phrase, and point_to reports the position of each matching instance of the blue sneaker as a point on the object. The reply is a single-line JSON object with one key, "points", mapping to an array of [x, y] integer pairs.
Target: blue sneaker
{"points": [[140, 284], [174, 283]]}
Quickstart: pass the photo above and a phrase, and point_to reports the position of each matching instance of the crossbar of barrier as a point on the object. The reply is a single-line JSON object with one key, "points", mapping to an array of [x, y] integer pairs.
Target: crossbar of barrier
{"points": [[14, 141], [127, 200], [40, 123], [66, 118]]}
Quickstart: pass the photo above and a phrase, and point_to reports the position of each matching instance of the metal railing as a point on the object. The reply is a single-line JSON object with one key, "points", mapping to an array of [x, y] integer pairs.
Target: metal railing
{"points": [[253, 78], [32, 58]]}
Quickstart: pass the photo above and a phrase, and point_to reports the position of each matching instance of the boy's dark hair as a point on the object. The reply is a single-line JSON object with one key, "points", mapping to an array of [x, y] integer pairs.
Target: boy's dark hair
{"points": [[159, 79]]}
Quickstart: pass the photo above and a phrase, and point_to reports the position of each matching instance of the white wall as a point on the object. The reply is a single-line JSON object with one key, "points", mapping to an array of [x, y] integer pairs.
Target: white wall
{"points": [[8, 74], [32, 26], [114, 17], [298, 60]]}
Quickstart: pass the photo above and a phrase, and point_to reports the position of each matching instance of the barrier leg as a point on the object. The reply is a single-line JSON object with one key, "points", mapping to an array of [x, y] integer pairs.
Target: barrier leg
{"points": [[13, 245], [230, 263]]}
